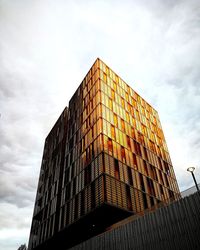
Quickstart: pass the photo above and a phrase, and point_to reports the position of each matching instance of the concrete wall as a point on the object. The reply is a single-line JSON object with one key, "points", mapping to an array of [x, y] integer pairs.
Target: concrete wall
{"points": [[176, 226]]}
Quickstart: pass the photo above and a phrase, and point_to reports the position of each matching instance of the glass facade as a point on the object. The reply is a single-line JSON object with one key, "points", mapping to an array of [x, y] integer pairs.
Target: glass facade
{"points": [[114, 158], [46, 213]]}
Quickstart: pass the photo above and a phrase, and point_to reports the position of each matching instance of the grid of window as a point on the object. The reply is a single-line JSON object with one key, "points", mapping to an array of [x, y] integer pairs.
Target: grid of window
{"points": [[44, 217], [113, 152], [106, 115]]}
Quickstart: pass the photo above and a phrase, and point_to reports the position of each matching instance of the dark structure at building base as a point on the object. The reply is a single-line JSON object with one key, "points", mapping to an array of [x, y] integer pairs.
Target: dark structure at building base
{"points": [[85, 228], [176, 226]]}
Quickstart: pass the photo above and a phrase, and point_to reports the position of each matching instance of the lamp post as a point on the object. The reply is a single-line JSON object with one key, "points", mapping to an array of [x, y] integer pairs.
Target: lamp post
{"points": [[191, 170]]}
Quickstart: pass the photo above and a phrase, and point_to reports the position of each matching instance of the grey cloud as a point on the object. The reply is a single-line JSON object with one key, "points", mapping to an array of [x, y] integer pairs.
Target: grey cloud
{"points": [[20, 192], [12, 225]]}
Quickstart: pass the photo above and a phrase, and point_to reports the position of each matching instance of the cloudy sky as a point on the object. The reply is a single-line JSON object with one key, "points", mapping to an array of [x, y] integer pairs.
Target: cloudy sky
{"points": [[47, 47]]}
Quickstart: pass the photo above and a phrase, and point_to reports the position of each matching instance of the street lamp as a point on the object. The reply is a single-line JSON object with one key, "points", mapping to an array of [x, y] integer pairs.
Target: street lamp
{"points": [[191, 170]]}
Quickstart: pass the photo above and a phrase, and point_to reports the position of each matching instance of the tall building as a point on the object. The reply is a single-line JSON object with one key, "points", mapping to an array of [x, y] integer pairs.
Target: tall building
{"points": [[105, 159]]}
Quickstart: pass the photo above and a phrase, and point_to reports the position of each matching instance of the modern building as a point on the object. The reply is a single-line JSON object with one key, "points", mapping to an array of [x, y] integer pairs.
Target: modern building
{"points": [[105, 159]]}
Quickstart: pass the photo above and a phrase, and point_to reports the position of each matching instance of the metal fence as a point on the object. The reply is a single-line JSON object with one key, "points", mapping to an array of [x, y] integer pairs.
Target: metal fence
{"points": [[172, 226]]}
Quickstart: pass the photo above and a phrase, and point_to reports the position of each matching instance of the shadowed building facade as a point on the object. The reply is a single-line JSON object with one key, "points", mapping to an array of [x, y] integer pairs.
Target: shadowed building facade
{"points": [[111, 160]]}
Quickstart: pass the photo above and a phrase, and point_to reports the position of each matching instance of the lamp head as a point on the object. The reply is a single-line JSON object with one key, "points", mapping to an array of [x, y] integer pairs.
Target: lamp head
{"points": [[191, 169]]}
